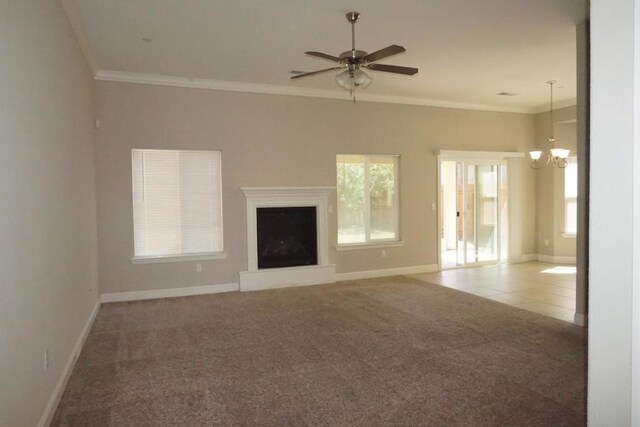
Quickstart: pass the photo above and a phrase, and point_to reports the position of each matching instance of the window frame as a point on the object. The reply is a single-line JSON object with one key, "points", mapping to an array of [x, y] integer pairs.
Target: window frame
{"points": [[190, 256], [368, 243]]}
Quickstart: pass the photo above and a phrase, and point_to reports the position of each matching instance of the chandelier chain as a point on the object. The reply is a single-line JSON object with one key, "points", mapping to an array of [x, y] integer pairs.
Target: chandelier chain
{"points": [[551, 83], [556, 156]]}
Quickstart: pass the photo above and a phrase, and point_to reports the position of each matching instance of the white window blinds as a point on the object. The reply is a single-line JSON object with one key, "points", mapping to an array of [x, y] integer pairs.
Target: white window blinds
{"points": [[177, 202]]}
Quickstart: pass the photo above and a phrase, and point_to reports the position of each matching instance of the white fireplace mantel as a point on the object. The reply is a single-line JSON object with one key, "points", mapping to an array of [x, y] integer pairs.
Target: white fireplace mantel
{"points": [[287, 192], [262, 197]]}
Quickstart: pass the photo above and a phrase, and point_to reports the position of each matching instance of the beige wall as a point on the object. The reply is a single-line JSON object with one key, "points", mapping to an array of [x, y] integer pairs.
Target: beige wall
{"points": [[270, 140], [48, 262], [550, 186]]}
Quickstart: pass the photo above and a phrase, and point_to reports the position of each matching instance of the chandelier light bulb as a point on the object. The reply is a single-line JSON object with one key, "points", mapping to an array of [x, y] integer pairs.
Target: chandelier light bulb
{"points": [[560, 153], [535, 155]]}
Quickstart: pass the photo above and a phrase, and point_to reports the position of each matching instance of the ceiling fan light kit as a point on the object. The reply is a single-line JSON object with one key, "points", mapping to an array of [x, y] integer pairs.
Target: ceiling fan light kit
{"points": [[349, 80], [353, 62], [557, 156]]}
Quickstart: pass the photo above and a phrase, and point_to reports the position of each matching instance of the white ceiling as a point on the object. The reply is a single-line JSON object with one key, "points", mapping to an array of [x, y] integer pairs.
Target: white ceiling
{"points": [[467, 50]]}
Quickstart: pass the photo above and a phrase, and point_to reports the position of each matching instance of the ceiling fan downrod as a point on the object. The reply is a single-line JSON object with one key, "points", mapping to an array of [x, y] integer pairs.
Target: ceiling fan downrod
{"points": [[352, 17]]}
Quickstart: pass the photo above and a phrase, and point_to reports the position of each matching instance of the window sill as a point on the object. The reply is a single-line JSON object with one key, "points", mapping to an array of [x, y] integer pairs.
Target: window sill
{"points": [[178, 258], [568, 235], [377, 245]]}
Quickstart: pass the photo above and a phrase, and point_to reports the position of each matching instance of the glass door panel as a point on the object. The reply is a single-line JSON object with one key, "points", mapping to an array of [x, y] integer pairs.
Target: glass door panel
{"points": [[503, 213], [486, 212], [470, 214], [481, 213], [459, 213]]}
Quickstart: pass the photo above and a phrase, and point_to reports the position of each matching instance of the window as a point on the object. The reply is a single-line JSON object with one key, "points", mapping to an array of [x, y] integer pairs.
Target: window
{"points": [[177, 202], [571, 196], [367, 189]]}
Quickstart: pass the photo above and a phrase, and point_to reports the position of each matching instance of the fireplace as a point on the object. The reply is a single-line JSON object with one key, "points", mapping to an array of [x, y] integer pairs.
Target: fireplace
{"points": [[287, 237]]}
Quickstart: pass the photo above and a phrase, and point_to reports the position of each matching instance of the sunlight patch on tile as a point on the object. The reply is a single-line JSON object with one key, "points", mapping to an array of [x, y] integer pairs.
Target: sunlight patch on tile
{"points": [[560, 270]]}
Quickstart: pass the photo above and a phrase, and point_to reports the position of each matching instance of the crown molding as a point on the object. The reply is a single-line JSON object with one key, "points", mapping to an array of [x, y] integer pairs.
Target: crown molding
{"points": [[572, 102], [477, 155], [232, 86], [73, 16]]}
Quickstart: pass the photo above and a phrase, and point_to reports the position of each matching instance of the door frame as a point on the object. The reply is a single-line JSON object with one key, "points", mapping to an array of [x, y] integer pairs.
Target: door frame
{"points": [[500, 158]]}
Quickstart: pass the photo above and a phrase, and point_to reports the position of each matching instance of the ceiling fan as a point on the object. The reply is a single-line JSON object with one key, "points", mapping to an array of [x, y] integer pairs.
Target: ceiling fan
{"points": [[353, 61]]}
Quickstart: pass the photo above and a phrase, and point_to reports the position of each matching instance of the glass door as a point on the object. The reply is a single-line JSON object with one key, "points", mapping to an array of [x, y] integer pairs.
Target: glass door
{"points": [[481, 215], [473, 212], [482, 243]]}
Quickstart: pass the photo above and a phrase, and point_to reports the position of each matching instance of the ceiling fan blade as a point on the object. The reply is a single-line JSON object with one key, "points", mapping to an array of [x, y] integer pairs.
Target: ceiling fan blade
{"points": [[311, 73], [409, 71], [394, 49], [323, 56]]}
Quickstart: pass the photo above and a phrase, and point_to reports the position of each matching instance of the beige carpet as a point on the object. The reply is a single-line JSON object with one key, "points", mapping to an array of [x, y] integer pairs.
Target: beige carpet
{"points": [[392, 351]]}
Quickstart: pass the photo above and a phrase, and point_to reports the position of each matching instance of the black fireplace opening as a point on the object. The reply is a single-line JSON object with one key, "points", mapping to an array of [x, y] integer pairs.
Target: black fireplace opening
{"points": [[287, 237]]}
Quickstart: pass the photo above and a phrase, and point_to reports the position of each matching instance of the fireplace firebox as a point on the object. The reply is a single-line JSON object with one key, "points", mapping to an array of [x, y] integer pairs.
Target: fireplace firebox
{"points": [[287, 237]]}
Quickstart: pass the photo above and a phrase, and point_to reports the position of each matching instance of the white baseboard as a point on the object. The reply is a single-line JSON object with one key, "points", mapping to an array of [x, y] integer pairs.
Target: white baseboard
{"points": [[580, 319], [528, 257], [56, 395], [169, 293], [416, 269], [557, 259], [551, 259], [543, 258]]}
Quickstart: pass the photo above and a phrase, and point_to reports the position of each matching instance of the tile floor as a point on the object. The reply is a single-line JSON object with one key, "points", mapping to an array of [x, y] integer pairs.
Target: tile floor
{"points": [[548, 289]]}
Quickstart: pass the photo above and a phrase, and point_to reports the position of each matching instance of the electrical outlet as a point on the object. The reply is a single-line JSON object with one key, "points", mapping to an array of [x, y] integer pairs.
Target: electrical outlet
{"points": [[199, 268], [46, 359], [546, 242], [383, 253], [433, 206]]}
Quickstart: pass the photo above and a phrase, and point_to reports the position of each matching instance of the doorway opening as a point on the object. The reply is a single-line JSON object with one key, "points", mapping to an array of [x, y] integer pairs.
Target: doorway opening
{"points": [[473, 212]]}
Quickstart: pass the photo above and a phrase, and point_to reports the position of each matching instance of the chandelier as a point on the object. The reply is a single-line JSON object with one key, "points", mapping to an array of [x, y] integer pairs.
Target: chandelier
{"points": [[557, 156]]}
